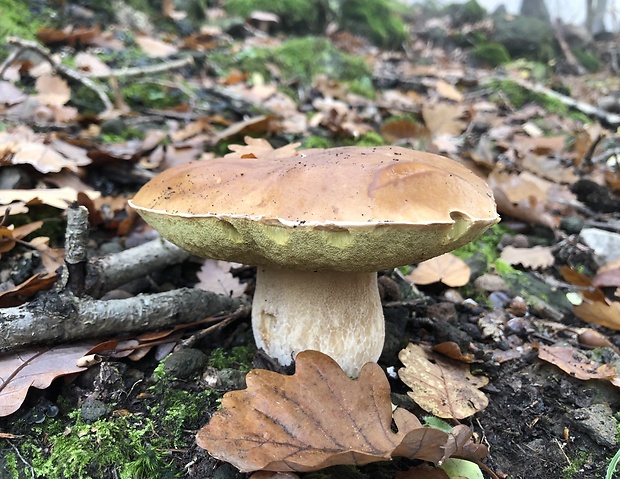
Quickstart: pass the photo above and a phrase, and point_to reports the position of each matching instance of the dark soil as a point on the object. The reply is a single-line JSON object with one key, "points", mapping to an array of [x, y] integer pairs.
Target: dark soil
{"points": [[535, 425]]}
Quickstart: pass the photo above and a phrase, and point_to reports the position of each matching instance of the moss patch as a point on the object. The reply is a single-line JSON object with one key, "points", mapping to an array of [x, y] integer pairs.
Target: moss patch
{"points": [[519, 97], [374, 19], [240, 357], [491, 54], [16, 19], [298, 59], [296, 16]]}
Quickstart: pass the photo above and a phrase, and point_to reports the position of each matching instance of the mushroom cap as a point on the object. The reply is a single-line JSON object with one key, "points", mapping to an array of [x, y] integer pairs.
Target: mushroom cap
{"points": [[337, 209]]}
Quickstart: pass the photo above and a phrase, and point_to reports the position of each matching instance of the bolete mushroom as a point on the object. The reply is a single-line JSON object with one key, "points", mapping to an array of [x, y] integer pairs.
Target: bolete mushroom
{"points": [[319, 225]]}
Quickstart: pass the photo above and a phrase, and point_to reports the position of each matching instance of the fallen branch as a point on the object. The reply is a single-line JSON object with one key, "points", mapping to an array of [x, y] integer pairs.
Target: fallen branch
{"points": [[23, 45], [568, 54], [609, 118], [62, 317]]}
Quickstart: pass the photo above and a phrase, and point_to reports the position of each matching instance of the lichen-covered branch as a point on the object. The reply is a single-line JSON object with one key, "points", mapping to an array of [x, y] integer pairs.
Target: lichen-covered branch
{"points": [[62, 317]]}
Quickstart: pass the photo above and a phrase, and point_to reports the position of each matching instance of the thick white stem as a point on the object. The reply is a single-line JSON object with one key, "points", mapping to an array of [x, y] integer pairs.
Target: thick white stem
{"points": [[336, 313]]}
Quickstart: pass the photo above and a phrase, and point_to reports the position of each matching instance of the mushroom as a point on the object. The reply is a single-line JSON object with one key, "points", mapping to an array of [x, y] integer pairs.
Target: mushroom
{"points": [[319, 224]]}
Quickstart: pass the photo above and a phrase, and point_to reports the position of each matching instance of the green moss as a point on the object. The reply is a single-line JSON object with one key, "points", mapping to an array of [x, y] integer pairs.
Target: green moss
{"points": [[486, 245], [297, 59], [240, 357], [125, 444], [296, 16], [128, 134], [317, 142], [491, 54], [575, 468], [16, 19], [368, 139], [525, 37], [468, 12], [374, 19], [589, 61], [519, 97], [152, 95], [11, 466]]}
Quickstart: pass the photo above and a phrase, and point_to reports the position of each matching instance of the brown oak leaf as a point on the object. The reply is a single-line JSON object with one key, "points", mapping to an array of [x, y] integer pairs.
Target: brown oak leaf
{"points": [[319, 417], [441, 386]]}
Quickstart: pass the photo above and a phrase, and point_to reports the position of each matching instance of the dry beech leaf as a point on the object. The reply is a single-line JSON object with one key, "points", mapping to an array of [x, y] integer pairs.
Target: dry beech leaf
{"points": [[573, 276], [599, 312], [319, 417], [259, 147], [452, 350], [53, 90], [608, 275], [575, 363], [447, 268], [441, 386], [444, 119], [537, 257], [155, 48], [214, 275], [448, 91]]}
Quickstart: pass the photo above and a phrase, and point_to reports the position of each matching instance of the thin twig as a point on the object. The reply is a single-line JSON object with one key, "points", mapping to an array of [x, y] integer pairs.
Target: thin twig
{"points": [[22, 459], [62, 69]]}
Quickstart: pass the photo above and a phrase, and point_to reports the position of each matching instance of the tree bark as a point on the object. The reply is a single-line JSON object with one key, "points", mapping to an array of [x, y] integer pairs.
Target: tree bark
{"points": [[62, 317]]}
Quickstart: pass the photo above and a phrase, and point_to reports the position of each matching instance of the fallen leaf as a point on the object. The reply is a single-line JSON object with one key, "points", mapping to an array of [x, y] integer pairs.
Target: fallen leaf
{"points": [[10, 235], [319, 417], [214, 275], [35, 368], [602, 313], [155, 48], [53, 90], [446, 268], [59, 198], [448, 91], [537, 257], [23, 291], [259, 147], [444, 119], [575, 363], [608, 275], [443, 387]]}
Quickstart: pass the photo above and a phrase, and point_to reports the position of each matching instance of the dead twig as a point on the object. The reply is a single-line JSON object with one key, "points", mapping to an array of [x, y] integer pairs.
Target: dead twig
{"points": [[63, 70]]}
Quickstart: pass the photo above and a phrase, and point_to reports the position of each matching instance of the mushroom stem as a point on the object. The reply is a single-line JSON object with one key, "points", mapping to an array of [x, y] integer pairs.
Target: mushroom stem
{"points": [[337, 313]]}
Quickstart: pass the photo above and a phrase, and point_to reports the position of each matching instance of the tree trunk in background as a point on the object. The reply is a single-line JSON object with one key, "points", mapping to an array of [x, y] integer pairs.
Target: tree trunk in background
{"points": [[595, 15], [536, 9]]}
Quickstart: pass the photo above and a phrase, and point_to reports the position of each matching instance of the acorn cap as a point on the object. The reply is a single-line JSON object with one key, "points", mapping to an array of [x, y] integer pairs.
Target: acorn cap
{"points": [[338, 209]]}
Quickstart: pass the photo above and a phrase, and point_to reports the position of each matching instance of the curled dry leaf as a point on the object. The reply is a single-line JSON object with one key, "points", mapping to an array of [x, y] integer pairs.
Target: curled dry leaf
{"points": [[441, 386], [35, 368], [447, 268], [575, 363], [319, 417], [259, 147], [537, 257]]}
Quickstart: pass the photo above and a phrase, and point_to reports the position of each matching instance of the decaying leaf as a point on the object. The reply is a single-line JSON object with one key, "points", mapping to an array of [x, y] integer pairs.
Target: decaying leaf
{"points": [[603, 313], [441, 386], [319, 417], [575, 363], [608, 275], [22, 146], [447, 268], [35, 368], [23, 291], [215, 276], [444, 119], [59, 198], [10, 235], [537, 257], [259, 147]]}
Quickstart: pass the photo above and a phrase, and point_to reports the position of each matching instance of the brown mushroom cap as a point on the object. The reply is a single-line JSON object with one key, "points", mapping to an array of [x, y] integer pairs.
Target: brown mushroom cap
{"points": [[338, 209]]}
